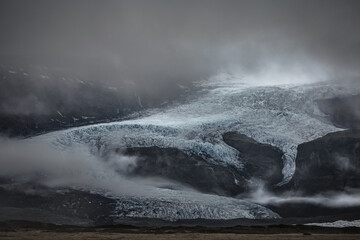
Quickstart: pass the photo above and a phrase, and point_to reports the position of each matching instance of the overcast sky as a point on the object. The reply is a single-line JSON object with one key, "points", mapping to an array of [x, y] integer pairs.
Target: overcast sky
{"points": [[185, 40]]}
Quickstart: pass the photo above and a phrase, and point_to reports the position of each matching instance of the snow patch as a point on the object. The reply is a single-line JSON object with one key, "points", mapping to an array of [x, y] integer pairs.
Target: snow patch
{"points": [[58, 112], [337, 224]]}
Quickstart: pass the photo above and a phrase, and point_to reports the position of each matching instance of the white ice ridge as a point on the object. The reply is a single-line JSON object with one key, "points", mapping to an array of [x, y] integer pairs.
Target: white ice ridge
{"points": [[338, 224], [283, 116]]}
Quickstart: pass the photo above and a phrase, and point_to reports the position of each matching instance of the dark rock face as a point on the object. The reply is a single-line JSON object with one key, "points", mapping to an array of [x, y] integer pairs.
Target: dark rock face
{"points": [[330, 163], [262, 161], [35, 100], [193, 171], [54, 205], [344, 112]]}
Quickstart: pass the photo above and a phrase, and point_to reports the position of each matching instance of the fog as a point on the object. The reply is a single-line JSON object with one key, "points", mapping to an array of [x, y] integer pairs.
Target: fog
{"points": [[76, 168], [79, 168], [164, 41], [331, 199], [146, 49]]}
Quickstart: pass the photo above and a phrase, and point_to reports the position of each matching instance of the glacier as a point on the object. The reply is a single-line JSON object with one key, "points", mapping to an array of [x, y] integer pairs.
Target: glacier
{"points": [[283, 116], [174, 205]]}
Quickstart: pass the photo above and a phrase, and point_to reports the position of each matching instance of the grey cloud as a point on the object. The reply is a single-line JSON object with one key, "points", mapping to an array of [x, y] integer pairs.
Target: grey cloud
{"points": [[185, 40]]}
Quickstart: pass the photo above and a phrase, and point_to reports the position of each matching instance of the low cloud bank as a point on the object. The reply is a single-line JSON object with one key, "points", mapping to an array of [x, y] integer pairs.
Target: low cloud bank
{"points": [[77, 167], [331, 199], [39, 163]]}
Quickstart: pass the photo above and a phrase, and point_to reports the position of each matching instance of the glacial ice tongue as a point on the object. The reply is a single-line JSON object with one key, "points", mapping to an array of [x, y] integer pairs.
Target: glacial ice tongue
{"points": [[173, 205], [283, 116]]}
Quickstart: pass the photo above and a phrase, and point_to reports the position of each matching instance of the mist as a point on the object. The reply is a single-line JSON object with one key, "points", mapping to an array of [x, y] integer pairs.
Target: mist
{"points": [[78, 167], [331, 199], [149, 50], [163, 42], [75, 168]]}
